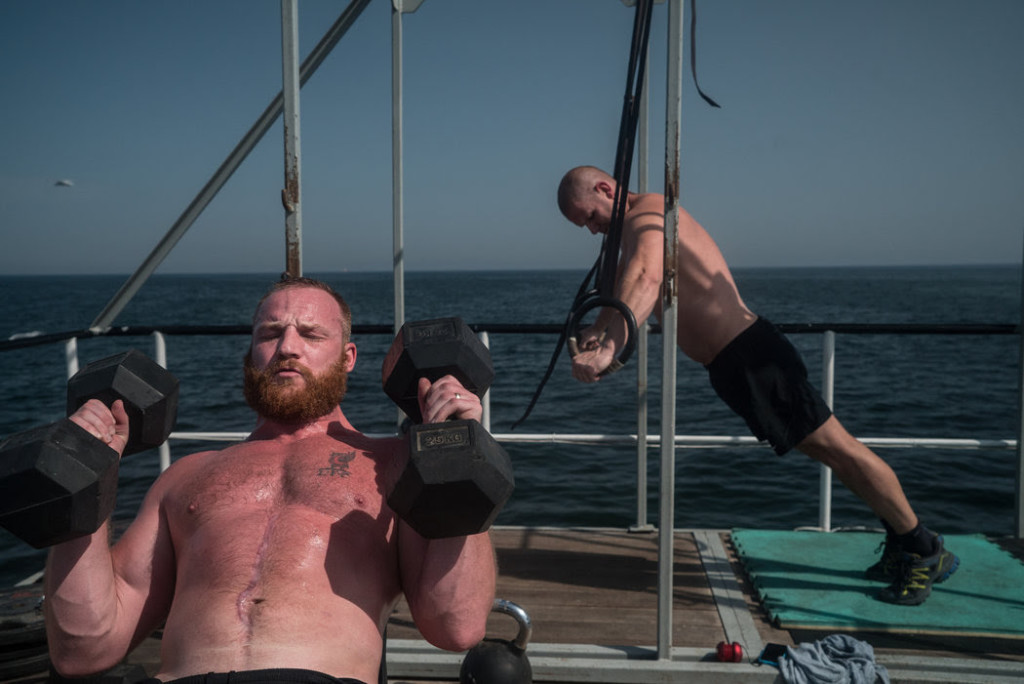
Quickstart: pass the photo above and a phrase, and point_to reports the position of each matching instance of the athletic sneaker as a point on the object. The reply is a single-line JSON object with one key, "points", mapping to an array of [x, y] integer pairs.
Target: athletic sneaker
{"points": [[917, 574], [888, 567]]}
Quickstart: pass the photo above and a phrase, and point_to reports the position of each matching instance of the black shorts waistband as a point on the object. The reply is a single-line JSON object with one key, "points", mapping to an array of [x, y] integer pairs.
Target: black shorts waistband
{"points": [[272, 676]]}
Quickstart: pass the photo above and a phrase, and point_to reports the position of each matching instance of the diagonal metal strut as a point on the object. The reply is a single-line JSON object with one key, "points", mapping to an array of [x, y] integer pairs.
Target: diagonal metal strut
{"points": [[227, 168]]}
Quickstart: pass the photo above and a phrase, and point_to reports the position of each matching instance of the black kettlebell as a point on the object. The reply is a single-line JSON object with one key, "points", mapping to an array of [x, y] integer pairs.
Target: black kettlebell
{"points": [[497, 661]]}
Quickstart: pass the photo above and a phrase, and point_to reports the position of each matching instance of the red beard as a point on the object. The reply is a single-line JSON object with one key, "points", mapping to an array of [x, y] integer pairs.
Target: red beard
{"points": [[280, 401]]}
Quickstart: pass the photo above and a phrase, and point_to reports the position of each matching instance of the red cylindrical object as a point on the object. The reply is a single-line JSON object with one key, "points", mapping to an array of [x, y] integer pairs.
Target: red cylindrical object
{"points": [[729, 653]]}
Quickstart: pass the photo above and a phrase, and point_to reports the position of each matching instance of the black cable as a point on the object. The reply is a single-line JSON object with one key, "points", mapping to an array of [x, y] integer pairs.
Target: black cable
{"points": [[558, 346], [604, 268], [624, 149], [693, 53]]}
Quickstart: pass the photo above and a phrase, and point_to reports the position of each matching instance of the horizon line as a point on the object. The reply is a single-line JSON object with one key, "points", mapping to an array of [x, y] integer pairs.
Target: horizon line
{"points": [[276, 274]]}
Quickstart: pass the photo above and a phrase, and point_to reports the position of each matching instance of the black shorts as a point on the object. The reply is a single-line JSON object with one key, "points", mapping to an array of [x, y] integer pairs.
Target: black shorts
{"points": [[761, 376], [259, 677]]}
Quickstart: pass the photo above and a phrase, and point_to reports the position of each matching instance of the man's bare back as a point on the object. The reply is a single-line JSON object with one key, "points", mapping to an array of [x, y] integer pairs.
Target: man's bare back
{"points": [[710, 310]]}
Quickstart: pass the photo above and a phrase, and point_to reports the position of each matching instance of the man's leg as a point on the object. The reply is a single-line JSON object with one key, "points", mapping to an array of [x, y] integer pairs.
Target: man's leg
{"points": [[914, 557], [863, 472]]}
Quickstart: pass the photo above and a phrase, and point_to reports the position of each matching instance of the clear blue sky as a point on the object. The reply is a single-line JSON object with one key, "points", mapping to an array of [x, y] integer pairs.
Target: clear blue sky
{"points": [[850, 133]]}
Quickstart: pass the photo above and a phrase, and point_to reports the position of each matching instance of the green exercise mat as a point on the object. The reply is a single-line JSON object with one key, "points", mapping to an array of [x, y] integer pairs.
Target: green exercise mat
{"points": [[815, 580]]}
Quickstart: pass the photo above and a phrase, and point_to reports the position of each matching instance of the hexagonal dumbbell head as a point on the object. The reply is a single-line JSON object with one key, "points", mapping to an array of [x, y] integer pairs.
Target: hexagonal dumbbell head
{"points": [[457, 480], [432, 349], [149, 392], [59, 483]]}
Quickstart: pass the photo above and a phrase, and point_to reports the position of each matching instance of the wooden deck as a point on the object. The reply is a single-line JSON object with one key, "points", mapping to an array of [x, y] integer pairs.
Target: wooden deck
{"points": [[590, 586], [597, 589]]}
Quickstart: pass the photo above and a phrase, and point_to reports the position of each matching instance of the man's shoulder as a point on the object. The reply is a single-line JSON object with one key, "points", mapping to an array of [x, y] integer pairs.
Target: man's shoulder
{"points": [[649, 207], [648, 201], [180, 466]]}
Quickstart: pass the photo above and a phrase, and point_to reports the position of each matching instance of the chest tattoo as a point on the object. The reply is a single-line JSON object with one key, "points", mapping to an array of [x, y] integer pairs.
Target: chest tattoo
{"points": [[339, 465]]}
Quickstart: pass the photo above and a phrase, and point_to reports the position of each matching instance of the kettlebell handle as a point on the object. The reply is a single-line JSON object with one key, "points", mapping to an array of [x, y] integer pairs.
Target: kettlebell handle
{"points": [[520, 615]]}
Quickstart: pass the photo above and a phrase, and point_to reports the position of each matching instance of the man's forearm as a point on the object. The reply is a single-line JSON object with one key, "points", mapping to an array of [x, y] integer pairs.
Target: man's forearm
{"points": [[640, 291], [454, 590], [640, 294], [81, 605]]}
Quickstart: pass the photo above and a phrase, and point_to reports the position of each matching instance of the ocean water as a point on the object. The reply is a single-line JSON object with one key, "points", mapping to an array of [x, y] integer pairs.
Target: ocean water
{"points": [[887, 385]]}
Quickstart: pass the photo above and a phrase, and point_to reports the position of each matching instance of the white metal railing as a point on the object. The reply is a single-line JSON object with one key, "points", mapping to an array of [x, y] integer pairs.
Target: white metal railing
{"points": [[654, 440], [641, 440]]}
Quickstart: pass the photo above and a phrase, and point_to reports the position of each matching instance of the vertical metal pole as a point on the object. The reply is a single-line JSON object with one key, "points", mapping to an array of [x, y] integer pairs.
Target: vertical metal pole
{"points": [[1019, 513], [398, 7], [485, 420], [398, 246], [71, 356], [673, 116], [221, 176], [828, 377], [290, 195], [641, 524], [160, 353]]}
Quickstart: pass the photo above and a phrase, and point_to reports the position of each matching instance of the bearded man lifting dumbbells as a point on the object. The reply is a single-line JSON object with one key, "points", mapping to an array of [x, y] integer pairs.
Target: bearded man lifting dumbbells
{"points": [[277, 558]]}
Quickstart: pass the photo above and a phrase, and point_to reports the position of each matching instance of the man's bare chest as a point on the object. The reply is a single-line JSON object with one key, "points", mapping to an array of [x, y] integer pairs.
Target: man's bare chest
{"points": [[323, 476]]}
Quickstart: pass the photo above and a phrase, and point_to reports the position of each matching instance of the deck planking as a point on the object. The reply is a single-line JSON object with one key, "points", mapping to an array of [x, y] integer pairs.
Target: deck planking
{"points": [[597, 586]]}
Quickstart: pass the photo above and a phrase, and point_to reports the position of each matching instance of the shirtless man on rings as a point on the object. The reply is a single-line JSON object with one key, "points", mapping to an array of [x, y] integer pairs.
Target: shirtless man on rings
{"points": [[751, 365], [277, 558]]}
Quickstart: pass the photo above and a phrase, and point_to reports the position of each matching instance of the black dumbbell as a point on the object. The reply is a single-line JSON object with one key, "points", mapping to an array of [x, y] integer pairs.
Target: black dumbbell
{"points": [[432, 349], [458, 477], [59, 481]]}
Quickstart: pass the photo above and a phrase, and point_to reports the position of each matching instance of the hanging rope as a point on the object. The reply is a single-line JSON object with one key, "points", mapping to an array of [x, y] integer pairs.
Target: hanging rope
{"points": [[604, 268], [693, 53], [624, 149], [558, 350], [603, 272]]}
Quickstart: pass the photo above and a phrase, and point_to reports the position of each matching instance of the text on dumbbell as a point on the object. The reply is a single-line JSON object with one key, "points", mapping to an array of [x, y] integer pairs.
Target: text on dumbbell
{"points": [[446, 436]]}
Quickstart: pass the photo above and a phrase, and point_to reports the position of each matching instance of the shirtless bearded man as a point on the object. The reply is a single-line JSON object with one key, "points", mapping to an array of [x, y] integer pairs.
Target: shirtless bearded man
{"points": [[277, 558]]}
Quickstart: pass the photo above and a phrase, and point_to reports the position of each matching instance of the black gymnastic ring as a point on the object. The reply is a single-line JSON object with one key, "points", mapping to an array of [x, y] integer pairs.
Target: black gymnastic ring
{"points": [[592, 302]]}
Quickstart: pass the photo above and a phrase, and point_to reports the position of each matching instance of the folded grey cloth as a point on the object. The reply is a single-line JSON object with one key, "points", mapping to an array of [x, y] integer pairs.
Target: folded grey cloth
{"points": [[836, 659]]}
